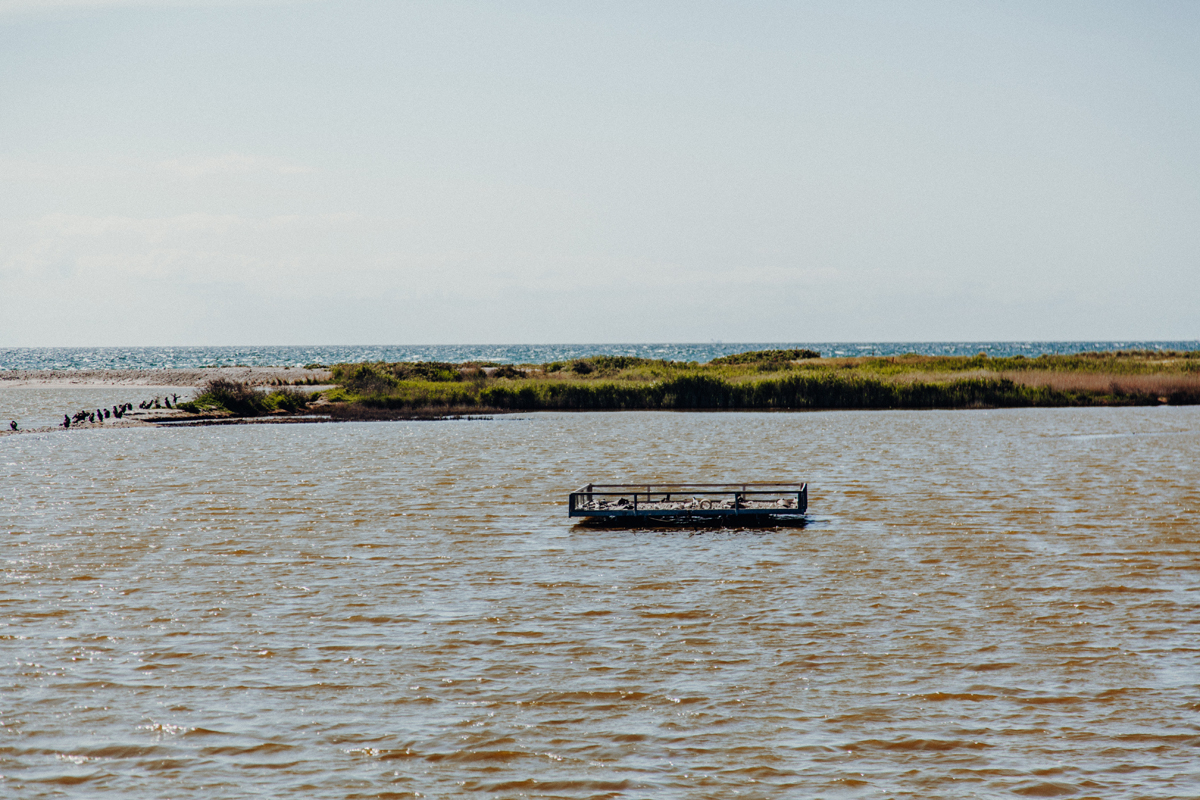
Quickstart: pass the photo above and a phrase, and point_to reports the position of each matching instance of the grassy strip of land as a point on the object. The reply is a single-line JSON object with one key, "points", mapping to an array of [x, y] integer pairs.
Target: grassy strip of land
{"points": [[1122, 362], [770, 380]]}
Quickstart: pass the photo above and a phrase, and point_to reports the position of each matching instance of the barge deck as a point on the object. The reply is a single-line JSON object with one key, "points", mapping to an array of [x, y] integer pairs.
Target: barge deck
{"points": [[690, 502]]}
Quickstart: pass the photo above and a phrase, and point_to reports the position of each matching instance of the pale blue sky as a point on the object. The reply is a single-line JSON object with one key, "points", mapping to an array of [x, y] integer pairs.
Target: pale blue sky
{"points": [[384, 172]]}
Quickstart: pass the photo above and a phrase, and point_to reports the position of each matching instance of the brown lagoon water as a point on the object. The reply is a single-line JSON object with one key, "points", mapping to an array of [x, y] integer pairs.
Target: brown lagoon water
{"points": [[985, 603]]}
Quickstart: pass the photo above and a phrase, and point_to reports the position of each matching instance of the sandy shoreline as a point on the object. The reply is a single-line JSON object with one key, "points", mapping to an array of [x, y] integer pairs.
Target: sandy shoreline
{"points": [[37, 400], [176, 378]]}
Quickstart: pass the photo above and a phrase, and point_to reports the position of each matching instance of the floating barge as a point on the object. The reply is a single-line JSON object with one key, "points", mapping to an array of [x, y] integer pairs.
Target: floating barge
{"points": [[691, 502]]}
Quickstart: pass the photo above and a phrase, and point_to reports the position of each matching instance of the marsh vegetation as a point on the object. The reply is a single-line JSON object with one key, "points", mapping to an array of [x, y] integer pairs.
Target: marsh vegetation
{"points": [[770, 379], [222, 396]]}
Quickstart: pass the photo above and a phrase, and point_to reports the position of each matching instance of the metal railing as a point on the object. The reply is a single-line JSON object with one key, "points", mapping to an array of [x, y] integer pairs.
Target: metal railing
{"points": [[689, 500]]}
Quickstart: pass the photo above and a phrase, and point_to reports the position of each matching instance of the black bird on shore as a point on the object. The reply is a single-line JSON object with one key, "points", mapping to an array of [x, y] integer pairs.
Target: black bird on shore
{"points": [[107, 413], [13, 424], [167, 402], [66, 421]]}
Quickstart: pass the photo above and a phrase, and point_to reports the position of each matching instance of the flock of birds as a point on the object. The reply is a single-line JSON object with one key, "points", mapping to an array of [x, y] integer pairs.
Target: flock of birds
{"points": [[116, 412], [101, 414]]}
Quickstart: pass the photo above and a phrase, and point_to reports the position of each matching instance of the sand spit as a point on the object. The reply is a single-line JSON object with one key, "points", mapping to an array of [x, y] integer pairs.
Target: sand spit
{"points": [[178, 378]]}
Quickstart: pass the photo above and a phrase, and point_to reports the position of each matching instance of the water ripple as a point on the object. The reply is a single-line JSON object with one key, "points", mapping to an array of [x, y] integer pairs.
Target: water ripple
{"points": [[985, 603]]}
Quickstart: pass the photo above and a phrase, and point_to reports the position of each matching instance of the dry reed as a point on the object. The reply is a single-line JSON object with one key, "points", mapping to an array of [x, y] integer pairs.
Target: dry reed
{"points": [[1105, 383]]}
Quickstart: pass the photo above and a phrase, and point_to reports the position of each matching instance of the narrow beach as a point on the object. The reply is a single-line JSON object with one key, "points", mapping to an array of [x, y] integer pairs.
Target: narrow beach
{"points": [[38, 399], [173, 378]]}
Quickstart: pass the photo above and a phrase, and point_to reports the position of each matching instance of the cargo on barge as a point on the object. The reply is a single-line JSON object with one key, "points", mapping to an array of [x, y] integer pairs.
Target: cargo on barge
{"points": [[690, 502]]}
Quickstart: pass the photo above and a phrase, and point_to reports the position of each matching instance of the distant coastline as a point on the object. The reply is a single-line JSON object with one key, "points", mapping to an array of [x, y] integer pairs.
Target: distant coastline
{"points": [[773, 379]]}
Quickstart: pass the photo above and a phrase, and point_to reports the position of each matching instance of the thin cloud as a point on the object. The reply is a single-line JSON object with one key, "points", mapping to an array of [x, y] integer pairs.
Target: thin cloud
{"points": [[39, 6], [86, 249], [187, 167], [229, 164]]}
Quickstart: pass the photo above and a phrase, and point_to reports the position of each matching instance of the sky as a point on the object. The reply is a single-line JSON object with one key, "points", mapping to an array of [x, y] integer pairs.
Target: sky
{"points": [[308, 172]]}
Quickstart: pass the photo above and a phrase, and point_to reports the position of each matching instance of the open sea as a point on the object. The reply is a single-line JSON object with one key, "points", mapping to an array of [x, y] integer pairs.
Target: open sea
{"points": [[982, 604], [192, 357]]}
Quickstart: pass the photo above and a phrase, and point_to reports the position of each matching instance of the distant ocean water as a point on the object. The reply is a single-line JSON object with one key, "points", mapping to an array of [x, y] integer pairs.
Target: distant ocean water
{"points": [[67, 358]]}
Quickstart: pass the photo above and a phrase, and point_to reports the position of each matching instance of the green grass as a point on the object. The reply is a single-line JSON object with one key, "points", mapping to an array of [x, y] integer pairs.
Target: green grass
{"points": [[381, 372], [222, 396], [618, 382], [766, 356], [1129, 362]]}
